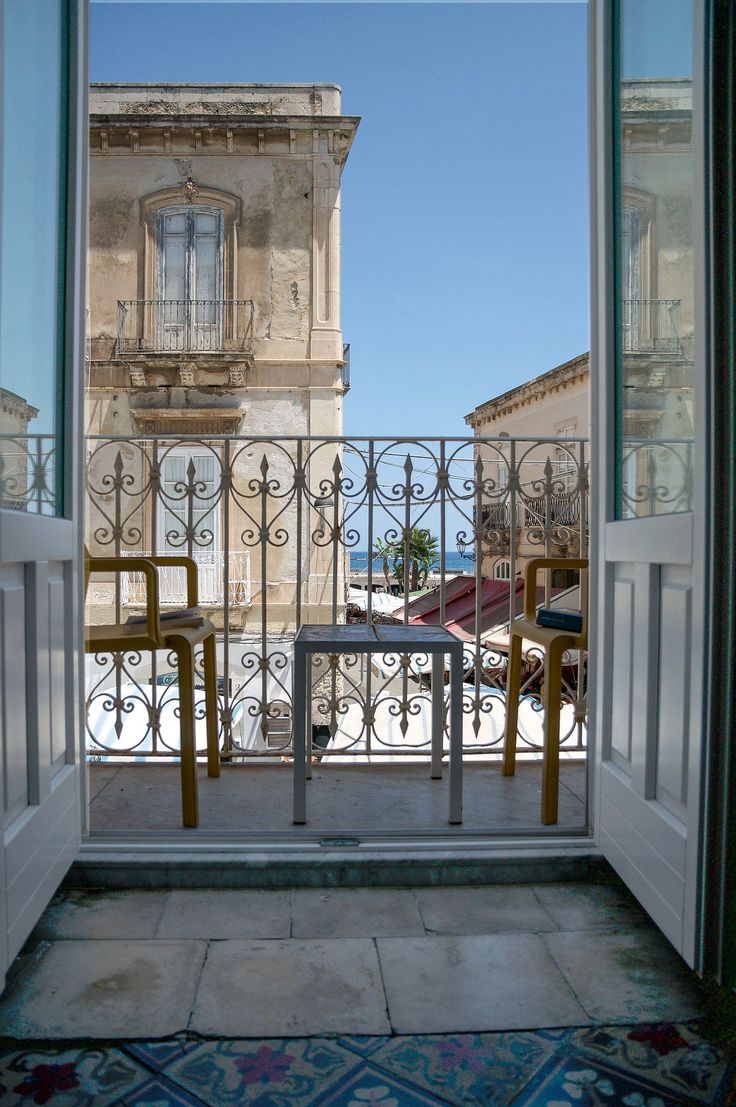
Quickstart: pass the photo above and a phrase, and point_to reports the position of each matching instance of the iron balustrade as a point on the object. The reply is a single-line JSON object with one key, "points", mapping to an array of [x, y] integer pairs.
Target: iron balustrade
{"points": [[651, 326], [210, 574], [297, 508], [28, 474], [184, 326]]}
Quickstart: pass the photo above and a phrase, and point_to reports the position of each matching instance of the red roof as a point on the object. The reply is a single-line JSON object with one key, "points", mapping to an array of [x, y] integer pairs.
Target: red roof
{"points": [[460, 596]]}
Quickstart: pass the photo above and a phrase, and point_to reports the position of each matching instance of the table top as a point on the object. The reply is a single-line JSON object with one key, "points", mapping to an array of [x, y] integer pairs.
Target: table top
{"points": [[377, 637]]}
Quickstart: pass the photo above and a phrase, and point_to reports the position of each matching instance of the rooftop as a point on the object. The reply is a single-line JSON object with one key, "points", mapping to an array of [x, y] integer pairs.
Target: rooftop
{"points": [[562, 376]]}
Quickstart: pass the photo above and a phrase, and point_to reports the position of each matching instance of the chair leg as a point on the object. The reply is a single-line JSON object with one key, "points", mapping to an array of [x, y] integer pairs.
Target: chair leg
{"points": [[190, 811], [551, 761], [211, 706], [513, 691]]}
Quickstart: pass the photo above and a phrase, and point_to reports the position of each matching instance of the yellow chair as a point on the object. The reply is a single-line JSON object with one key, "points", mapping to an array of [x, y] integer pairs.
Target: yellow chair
{"points": [[181, 635], [556, 643]]}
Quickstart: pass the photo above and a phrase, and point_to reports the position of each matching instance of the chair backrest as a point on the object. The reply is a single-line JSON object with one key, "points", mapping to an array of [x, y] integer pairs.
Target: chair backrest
{"points": [[539, 564]]}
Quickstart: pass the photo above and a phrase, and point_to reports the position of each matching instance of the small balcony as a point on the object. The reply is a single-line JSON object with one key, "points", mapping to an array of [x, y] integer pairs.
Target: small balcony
{"points": [[286, 532], [651, 327], [184, 326]]}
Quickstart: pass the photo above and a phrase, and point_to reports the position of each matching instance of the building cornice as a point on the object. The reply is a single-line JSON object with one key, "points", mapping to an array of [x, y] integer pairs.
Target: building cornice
{"points": [[211, 135], [560, 378]]}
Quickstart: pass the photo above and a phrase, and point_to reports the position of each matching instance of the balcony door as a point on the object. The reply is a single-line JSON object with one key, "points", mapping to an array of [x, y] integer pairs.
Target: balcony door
{"points": [[43, 135], [190, 271], [650, 466]]}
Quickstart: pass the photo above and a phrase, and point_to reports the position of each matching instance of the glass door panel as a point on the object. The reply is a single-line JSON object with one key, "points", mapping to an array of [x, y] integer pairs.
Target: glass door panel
{"points": [[654, 258], [32, 199]]}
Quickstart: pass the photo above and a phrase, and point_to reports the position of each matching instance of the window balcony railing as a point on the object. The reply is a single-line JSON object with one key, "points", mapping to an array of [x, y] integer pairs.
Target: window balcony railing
{"points": [[651, 327], [289, 523], [211, 575], [184, 326]]}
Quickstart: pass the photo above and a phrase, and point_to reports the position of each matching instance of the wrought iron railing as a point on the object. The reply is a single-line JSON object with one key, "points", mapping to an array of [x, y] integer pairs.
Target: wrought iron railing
{"points": [[651, 326], [656, 476], [300, 508], [184, 326], [28, 473], [211, 580]]}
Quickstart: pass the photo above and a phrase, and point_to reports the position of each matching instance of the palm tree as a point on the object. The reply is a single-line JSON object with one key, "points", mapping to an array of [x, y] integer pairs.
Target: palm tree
{"points": [[423, 557]]}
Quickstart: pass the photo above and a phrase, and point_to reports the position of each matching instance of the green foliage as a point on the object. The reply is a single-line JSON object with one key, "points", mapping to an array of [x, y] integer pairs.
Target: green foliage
{"points": [[423, 553]]}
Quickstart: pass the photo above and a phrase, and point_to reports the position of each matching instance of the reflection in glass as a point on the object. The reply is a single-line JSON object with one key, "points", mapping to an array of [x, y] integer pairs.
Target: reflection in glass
{"points": [[654, 258], [30, 261]]}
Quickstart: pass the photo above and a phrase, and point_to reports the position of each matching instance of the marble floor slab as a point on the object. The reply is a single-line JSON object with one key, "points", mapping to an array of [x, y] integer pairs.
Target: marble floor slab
{"points": [[291, 987], [102, 989], [476, 982]]}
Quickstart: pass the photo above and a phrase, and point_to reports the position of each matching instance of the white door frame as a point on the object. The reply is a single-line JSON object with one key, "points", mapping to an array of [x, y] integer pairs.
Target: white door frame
{"points": [[40, 843], [686, 537]]}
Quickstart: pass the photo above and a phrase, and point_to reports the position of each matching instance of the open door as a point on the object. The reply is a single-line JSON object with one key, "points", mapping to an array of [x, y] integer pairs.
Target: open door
{"points": [[42, 263], [650, 419]]}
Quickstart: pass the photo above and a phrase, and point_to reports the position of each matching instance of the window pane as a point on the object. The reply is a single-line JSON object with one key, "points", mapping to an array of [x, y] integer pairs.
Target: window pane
{"points": [[654, 257], [205, 268], [206, 224], [175, 267], [31, 304]]}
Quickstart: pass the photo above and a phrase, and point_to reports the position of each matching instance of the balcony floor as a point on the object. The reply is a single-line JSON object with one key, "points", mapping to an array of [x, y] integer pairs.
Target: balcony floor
{"points": [[351, 800]]}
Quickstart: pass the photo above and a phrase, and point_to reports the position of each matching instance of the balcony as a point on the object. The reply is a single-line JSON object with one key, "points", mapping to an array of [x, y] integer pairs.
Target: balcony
{"points": [[184, 326], [287, 524], [651, 327]]}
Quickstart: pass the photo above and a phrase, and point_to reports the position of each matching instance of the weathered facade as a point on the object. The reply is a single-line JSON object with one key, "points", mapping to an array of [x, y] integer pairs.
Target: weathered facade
{"points": [[214, 292], [548, 472]]}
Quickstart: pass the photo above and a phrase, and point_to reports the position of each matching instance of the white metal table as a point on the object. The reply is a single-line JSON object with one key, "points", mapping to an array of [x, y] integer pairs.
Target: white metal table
{"points": [[363, 638]]}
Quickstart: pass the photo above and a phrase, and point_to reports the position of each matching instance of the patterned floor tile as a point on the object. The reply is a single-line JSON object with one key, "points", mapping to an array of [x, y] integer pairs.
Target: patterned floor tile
{"points": [[483, 1069], [575, 1081], [674, 1056], [362, 1043], [156, 1055], [158, 1092], [369, 1086], [75, 1077], [268, 1072]]}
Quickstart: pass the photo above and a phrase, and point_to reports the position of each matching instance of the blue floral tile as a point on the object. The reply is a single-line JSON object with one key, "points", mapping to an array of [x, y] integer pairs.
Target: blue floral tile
{"points": [[156, 1055], [672, 1055], [93, 1077], [268, 1072], [575, 1081], [369, 1086], [362, 1044], [483, 1069], [158, 1092]]}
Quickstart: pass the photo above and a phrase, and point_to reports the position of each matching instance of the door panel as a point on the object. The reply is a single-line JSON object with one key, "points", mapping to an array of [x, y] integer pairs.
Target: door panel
{"points": [[43, 83], [649, 399]]}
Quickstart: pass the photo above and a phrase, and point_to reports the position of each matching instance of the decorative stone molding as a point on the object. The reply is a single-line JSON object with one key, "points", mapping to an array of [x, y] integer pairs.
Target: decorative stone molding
{"points": [[190, 188], [561, 377], [187, 376], [189, 420], [137, 376], [236, 376]]}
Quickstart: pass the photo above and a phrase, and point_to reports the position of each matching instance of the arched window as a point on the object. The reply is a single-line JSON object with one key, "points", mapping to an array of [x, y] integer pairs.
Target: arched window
{"points": [[189, 289], [502, 570], [189, 266]]}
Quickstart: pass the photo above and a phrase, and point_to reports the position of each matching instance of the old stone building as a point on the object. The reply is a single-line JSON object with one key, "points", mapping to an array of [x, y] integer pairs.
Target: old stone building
{"points": [[544, 471], [214, 293]]}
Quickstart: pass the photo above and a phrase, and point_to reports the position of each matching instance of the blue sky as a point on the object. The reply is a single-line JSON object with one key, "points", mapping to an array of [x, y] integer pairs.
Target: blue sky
{"points": [[464, 200]]}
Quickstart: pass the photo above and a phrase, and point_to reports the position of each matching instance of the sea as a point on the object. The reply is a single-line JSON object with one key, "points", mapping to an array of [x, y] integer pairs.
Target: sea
{"points": [[454, 563]]}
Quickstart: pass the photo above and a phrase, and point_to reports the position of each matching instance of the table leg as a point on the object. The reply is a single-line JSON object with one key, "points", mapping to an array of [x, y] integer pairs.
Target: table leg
{"points": [[456, 736], [310, 693], [438, 712], [299, 721]]}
